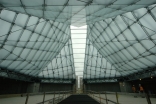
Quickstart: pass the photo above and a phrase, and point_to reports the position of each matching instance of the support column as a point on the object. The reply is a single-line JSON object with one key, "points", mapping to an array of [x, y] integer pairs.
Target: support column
{"points": [[33, 88], [125, 87], [74, 88], [84, 88]]}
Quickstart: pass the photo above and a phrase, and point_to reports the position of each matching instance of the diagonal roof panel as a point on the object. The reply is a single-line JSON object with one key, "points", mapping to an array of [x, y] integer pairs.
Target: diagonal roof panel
{"points": [[126, 41], [62, 66], [29, 44], [97, 66], [75, 12], [36, 34]]}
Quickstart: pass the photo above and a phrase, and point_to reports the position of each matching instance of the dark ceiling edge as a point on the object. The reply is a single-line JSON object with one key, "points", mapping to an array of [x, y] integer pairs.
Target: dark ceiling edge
{"points": [[150, 72], [18, 76]]}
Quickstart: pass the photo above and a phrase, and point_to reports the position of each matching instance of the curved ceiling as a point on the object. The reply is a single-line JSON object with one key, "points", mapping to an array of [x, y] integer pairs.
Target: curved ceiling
{"points": [[75, 12], [35, 39]]}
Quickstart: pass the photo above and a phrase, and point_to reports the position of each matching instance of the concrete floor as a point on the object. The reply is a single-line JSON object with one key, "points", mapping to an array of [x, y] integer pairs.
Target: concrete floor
{"points": [[123, 99], [21, 100], [126, 99]]}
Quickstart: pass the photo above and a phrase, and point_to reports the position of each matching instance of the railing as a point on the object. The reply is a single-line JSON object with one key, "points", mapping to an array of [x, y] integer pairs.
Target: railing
{"points": [[55, 100], [97, 95], [102, 96], [54, 97]]}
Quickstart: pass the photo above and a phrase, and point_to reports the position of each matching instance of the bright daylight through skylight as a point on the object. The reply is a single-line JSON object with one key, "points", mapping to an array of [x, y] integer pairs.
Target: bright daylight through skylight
{"points": [[78, 36]]}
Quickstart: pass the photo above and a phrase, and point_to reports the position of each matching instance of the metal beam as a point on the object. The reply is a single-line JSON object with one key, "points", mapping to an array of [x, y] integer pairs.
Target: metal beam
{"points": [[18, 76]]}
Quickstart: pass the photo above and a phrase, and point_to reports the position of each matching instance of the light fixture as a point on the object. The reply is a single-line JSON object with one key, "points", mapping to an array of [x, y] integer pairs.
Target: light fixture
{"points": [[140, 78], [151, 77]]}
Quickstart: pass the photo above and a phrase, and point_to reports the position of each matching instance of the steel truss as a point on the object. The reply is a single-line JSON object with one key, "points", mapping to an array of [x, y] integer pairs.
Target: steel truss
{"points": [[17, 76]]}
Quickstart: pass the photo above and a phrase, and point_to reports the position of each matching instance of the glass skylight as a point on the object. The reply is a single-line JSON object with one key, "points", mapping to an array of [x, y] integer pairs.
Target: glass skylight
{"points": [[78, 36]]}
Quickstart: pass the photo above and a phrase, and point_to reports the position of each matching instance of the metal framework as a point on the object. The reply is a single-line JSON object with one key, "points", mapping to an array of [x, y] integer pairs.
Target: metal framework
{"points": [[36, 40], [35, 46], [122, 47], [17, 76], [75, 12]]}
